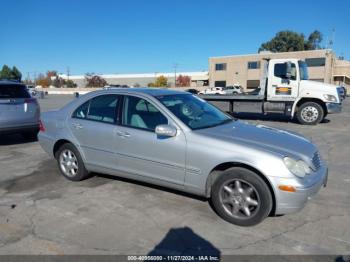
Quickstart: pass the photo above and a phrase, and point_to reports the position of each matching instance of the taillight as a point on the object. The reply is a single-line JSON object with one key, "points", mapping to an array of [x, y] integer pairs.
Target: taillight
{"points": [[30, 101], [41, 126]]}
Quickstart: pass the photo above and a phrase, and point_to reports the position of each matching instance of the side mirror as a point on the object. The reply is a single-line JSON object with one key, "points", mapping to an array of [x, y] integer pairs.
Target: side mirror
{"points": [[288, 72], [166, 130]]}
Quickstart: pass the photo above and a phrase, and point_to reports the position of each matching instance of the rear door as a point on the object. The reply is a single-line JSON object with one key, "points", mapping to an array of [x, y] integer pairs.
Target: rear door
{"points": [[93, 125], [17, 107], [281, 88]]}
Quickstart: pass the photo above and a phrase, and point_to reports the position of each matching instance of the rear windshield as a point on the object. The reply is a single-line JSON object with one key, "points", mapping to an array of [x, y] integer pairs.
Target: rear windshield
{"points": [[13, 91]]}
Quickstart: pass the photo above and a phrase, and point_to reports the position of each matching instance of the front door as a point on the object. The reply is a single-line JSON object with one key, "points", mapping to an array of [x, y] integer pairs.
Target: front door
{"points": [[139, 149], [281, 88]]}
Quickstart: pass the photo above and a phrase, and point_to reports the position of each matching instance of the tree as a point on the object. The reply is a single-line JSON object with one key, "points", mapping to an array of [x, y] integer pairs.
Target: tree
{"points": [[5, 72], [58, 82], [70, 84], [289, 41], [314, 41], [10, 74], [16, 74], [161, 81], [183, 81], [94, 81], [51, 74], [43, 81]]}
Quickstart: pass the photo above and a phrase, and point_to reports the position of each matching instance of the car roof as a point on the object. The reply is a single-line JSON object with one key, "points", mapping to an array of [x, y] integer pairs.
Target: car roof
{"points": [[145, 90], [9, 82]]}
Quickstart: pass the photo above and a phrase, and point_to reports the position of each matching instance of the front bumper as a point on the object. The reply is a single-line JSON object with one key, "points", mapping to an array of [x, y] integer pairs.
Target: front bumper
{"points": [[333, 108], [290, 202]]}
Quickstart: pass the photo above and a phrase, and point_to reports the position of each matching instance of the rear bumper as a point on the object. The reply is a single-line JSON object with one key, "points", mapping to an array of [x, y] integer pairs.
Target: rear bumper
{"points": [[333, 108], [46, 143], [19, 129]]}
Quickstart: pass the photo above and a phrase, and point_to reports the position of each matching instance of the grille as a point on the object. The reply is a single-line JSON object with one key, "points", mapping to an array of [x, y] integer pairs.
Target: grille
{"points": [[316, 160]]}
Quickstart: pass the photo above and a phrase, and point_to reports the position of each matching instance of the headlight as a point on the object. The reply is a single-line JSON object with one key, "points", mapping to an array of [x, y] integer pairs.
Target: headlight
{"points": [[330, 98], [298, 168]]}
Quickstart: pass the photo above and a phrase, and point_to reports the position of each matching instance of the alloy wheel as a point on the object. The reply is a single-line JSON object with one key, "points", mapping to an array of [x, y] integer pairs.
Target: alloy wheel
{"points": [[68, 163], [239, 199]]}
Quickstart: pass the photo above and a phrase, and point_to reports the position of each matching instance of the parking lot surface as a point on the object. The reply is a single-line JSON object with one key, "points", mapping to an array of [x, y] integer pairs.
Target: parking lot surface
{"points": [[43, 213]]}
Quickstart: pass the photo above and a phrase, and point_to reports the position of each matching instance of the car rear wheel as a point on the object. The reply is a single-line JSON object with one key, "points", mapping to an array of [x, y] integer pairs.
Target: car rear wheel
{"points": [[70, 163], [241, 197]]}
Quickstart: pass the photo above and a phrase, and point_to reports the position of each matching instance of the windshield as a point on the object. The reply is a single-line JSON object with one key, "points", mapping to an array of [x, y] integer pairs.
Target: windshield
{"points": [[194, 111], [304, 75]]}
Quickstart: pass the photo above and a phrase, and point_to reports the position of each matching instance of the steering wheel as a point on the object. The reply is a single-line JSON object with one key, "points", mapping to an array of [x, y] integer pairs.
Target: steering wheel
{"points": [[190, 111]]}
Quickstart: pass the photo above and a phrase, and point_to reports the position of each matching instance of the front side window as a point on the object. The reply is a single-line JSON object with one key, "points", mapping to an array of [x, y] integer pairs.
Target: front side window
{"points": [[280, 71], [194, 111], [101, 108], [141, 114]]}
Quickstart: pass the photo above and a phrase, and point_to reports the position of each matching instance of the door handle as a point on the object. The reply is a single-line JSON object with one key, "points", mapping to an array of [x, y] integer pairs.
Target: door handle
{"points": [[123, 134], [77, 126]]}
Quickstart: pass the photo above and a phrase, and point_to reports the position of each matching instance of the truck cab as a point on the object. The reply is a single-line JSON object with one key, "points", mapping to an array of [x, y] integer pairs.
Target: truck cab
{"points": [[310, 101]]}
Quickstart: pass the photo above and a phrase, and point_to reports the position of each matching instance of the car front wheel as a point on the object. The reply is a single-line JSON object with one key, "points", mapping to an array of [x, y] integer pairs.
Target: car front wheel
{"points": [[241, 197], [70, 163]]}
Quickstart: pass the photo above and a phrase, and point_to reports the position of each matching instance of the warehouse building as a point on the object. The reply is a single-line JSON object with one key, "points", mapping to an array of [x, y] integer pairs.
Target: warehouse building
{"points": [[246, 70], [198, 79]]}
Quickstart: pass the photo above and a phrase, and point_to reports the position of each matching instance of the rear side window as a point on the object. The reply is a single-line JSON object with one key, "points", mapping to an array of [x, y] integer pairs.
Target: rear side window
{"points": [[13, 91], [81, 111], [100, 108]]}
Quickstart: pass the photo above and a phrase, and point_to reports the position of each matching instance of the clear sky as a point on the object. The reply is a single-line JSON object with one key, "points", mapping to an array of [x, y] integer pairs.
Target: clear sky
{"points": [[134, 36]]}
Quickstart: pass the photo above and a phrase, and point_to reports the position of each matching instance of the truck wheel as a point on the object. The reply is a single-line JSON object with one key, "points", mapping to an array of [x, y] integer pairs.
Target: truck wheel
{"points": [[70, 163], [310, 113], [241, 197]]}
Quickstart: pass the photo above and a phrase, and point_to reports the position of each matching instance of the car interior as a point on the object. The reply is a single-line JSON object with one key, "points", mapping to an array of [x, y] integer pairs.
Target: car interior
{"points": [[141, 114]]}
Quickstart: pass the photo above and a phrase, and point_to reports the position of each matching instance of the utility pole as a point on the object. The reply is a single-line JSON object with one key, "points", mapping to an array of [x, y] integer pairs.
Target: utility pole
{"points": [[68, 71], [175, 68]]}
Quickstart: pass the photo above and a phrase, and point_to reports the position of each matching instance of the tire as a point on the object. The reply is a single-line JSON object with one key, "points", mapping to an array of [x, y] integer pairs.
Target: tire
{"points": [[30, 135], [310, 113], [70, 163], [252, 193]]}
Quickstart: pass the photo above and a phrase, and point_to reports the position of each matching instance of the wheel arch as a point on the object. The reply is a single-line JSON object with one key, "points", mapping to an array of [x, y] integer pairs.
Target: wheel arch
{"points": [[215, 172], [58, 144], [298, 103]]}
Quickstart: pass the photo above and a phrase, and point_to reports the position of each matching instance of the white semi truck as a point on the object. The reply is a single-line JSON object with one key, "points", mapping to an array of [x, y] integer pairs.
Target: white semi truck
{"points": [[286, 89]]}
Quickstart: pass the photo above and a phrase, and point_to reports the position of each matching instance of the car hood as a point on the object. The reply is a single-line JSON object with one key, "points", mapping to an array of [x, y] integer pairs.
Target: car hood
{"points": [[260, 137]]}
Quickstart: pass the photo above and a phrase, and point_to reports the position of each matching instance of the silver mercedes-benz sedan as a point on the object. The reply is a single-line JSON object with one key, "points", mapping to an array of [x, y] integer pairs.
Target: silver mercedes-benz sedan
{"points": [[19, 112], [177, 140]]}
